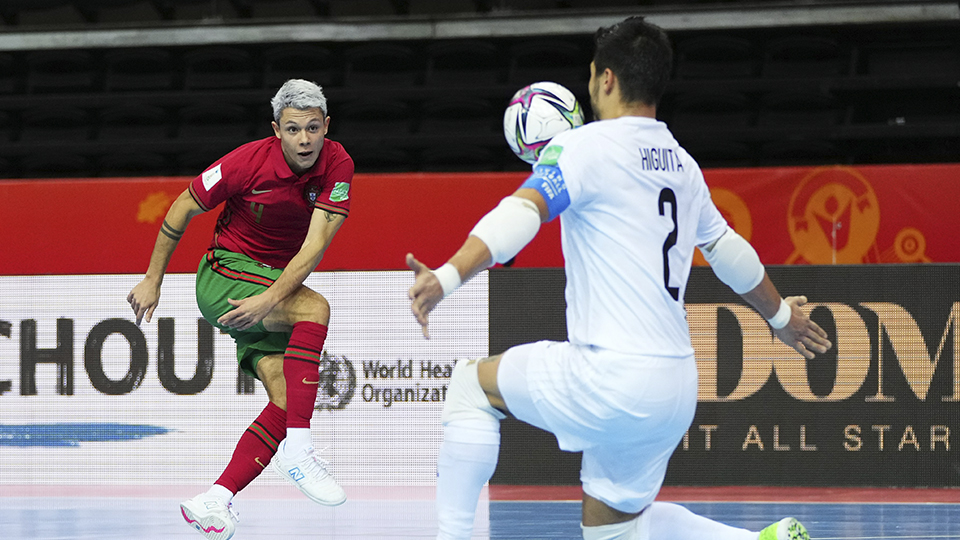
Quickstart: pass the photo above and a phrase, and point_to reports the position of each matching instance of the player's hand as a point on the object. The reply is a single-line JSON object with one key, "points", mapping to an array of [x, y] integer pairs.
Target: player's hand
{"points": [[144, 299], [801, 333], [247, 312], [425, 294]]}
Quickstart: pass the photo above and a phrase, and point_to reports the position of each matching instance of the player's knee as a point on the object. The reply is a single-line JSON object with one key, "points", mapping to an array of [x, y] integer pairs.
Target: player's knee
{"points": [[466, 399], [312, 306]]}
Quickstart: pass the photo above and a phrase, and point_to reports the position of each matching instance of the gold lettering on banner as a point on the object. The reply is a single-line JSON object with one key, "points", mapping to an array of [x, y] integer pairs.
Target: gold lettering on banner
{"points": [[880, 431], [764, 355], [803, 441], [853, 442], [853, 358], [686, 440], [911, 349], [707, 432], [753, 437], [909, 437], [776, 440], [758, 348], [939, 434]]}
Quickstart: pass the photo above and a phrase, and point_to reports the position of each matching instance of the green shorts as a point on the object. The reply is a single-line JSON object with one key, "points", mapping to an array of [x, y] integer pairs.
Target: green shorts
{"points": [[223, 274]]}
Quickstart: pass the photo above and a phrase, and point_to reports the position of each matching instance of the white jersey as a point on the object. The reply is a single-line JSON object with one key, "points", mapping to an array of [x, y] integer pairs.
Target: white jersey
{"points": [[638, 206]]}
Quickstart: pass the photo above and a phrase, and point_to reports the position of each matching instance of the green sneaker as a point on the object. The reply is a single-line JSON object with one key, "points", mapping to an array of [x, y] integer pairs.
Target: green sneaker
{"points": [[785, 529]]}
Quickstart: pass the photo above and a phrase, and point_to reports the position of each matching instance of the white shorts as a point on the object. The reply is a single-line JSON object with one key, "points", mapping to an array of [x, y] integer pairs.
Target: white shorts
{"points": [[627, 413]]}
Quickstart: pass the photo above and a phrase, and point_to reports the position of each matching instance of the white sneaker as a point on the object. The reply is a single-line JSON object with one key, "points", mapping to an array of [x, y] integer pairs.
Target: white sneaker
{"points": [[210, 516], [309, 473]]}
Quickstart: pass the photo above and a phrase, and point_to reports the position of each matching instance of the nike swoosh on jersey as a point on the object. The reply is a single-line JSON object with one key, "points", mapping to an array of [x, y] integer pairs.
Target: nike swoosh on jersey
{"points": [[259, 191]]}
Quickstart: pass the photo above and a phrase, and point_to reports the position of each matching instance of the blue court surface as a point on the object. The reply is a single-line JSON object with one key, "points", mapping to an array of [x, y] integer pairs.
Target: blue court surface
{"points": [[50, 518]]}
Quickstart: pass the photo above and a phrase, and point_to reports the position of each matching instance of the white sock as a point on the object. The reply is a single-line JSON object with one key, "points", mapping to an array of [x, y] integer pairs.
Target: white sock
{"points": [[296, 440], [221, 493], [668, 521], [617, 531], [468, 457]]}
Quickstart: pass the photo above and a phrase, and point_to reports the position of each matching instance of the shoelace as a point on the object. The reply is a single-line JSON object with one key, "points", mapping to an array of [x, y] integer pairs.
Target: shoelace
{"points": [[315, 461], [233, 513]]}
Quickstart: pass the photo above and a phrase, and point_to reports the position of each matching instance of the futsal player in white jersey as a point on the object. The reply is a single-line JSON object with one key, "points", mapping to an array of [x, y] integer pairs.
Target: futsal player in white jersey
{"points": [[633, 205]]}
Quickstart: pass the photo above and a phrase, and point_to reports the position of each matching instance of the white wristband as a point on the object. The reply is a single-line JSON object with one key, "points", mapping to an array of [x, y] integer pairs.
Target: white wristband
{"points": [[782, 317], [449, 278]]}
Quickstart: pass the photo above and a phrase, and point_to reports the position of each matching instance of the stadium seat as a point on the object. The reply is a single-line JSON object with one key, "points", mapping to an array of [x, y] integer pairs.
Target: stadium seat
{"points": [[909, 107], [710, 152], [459, 115], [138, 69], [55, 165], [60, 71], [281, 9], [462, 63], [714, 57], [118, 11], [796, 108], [55, 124], [218, 67], [379, 159], [459, 158], [300, 61], [194, 162], [792, 152], [714, 111], [897, 60], [371, 118], [562, 62], [214, 120], [124, 164], [381, 64], [34, 12], [799, 57], [7, 169], [6, 127], [9, 80], [134, 123], [196, 10]]}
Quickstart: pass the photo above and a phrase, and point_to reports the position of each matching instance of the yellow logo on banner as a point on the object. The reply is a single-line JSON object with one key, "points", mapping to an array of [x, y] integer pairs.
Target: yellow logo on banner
{"points": [[833, 217]]}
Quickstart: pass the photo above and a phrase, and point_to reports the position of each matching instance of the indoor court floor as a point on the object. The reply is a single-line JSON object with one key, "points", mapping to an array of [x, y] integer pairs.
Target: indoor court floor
{"points": [[514, 513]]}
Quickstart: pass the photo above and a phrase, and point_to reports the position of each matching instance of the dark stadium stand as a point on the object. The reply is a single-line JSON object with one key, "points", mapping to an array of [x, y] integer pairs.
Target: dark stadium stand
{"points": [[741, 95]]}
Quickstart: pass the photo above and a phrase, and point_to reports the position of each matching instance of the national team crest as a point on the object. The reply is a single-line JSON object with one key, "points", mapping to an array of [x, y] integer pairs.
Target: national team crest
{"points": [[311, 193]]}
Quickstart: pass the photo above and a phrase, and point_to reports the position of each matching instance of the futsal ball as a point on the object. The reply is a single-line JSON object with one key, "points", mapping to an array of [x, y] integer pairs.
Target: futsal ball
{"points": [[536, 114]]}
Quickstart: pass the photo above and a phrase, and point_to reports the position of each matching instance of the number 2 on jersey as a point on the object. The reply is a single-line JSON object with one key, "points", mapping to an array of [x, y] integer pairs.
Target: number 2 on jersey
{"points": [[668, 196]]}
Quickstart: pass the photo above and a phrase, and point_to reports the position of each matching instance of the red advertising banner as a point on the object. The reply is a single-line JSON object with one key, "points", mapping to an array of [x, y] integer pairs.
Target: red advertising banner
{"points": [[802, 215]]}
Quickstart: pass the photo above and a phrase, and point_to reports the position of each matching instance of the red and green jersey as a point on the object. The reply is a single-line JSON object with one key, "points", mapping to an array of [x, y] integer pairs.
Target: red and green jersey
{"points": [[268, 207]]}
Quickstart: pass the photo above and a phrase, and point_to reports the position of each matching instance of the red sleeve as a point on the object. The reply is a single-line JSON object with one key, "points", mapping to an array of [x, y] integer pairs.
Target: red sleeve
{"points": [[220, 181], [335, 188]]}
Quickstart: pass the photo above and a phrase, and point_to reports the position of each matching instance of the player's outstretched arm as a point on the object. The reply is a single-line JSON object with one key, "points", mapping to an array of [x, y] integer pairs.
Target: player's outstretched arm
{"points": [[146, 295], [737, 264], [497, 237], [798, 330]]}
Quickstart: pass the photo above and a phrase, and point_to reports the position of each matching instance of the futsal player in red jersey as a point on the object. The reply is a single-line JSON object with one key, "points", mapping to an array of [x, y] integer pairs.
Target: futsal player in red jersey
{"points": [[284, 198]]}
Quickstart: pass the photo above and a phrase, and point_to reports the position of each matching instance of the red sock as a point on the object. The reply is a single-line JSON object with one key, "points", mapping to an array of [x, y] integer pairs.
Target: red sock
{"points": [[257, 445], [301, 371]]}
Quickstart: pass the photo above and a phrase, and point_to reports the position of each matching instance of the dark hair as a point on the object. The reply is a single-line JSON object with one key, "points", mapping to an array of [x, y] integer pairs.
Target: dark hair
{"points": [[639, 54]]}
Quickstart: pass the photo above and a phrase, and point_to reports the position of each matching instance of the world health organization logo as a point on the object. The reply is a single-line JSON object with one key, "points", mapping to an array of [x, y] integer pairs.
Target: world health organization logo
{"points": [[338, 381]]}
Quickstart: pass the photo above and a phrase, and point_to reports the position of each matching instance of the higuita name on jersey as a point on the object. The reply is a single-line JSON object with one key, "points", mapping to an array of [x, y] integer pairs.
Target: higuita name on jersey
{"points": [[660, 159]]}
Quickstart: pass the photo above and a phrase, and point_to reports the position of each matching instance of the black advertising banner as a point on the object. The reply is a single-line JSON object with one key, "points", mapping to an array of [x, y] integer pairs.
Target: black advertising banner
{"points": [[881, 408]]}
